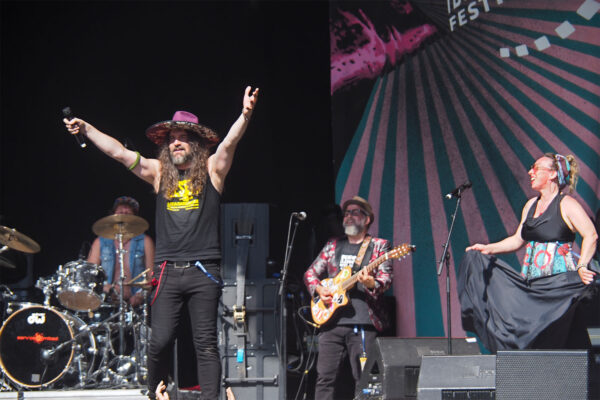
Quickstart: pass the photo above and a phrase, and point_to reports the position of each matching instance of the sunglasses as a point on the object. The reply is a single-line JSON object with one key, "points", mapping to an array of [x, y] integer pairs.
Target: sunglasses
{"points": [[355, 213], [538, 167]]}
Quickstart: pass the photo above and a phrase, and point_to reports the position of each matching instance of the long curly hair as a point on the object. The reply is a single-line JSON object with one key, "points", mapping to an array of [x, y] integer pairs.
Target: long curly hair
{"points": [[559, 164], [197, 173]]}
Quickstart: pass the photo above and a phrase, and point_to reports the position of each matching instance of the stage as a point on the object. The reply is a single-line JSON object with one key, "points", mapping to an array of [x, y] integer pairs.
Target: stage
{"points": [[121, 394]]}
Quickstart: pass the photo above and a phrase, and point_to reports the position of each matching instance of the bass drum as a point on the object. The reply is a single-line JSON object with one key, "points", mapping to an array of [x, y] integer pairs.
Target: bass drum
{"points": [[30, 355]]}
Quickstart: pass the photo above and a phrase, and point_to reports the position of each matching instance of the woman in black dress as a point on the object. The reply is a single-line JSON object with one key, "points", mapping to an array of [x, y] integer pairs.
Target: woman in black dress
{"points": [[532, 309]]}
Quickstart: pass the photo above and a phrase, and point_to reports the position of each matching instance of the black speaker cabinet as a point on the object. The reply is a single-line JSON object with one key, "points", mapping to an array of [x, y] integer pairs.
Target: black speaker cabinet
{"points": [[542, 374], [457, 377], [239, 221], [392, 371], [265, 376]]}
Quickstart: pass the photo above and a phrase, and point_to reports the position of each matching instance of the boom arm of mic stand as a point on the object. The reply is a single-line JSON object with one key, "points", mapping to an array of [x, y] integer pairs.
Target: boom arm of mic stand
{"points": [[288, 254], [84, 330], [447, 244]]}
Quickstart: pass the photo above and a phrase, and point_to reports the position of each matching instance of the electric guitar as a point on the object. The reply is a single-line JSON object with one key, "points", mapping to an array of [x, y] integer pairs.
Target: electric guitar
{"points": [[344, 281]]}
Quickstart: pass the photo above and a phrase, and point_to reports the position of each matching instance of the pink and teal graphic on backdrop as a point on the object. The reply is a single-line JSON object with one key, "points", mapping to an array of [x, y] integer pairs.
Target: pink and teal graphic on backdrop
{"points": [[478, 102]]}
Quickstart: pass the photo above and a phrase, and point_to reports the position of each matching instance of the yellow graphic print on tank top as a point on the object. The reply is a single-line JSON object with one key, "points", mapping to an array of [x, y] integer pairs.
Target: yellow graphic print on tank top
{"points": [[183, 198]]}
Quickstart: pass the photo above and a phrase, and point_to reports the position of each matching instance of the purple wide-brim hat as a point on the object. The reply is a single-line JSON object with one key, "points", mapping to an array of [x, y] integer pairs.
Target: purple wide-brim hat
{"points": [[159, 132]]}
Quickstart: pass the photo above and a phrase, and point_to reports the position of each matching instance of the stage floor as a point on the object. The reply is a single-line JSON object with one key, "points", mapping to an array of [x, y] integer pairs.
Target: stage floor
{"points": [[121, 394]]}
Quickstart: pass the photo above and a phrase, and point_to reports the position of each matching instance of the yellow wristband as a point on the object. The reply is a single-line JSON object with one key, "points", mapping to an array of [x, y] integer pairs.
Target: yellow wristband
{"points": [[136, 162]]}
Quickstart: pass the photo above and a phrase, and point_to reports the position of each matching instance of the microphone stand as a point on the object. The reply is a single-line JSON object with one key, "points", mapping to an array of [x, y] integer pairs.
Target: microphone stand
{"points": [[291, 235], [446, 258], [288, 252]]}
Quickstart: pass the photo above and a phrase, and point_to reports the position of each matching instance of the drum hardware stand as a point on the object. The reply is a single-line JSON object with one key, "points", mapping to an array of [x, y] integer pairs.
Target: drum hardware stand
{"points": [[4, 384], [107, 377], [121, 252], [141, 344], [47, 286], [141, 330]]}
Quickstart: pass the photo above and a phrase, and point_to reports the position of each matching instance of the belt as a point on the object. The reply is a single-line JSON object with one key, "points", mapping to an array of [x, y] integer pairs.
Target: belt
{"points": [[181, 264], [189, 264]]}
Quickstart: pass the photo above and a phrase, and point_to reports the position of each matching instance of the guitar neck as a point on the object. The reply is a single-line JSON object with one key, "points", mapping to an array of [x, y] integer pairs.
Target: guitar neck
{"points": [[350, 282]]}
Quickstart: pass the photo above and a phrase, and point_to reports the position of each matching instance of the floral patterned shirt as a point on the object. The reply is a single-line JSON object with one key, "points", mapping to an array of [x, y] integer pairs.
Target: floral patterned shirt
{"points": [[325, 266]]}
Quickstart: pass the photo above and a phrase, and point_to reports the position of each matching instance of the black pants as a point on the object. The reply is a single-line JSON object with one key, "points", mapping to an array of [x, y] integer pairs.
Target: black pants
{"points": [[201, 294], [334, 344]]}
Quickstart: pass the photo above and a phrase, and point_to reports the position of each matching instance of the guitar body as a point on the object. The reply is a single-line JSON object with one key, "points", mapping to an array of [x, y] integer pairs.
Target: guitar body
{"points": [[321, 312], [344, 281]]}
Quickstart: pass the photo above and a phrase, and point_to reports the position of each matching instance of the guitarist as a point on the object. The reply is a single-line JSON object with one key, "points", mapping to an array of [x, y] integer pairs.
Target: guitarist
{"points": [[353, 327]]}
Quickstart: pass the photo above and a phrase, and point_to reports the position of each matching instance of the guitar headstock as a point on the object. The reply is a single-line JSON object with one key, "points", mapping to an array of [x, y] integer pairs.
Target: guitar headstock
{"points": [[402, 250]]}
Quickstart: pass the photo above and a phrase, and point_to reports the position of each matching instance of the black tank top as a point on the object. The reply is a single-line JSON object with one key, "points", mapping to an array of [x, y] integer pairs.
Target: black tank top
{"points": [[187, 225], [548, 227]]}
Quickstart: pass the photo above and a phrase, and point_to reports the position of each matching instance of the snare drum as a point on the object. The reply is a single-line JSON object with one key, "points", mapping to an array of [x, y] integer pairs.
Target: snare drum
{"points": [[80, 286], [29, 354]]}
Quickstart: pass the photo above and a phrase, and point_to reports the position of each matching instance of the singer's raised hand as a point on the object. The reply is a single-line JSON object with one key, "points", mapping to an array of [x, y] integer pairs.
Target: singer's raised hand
{"points": [[249, 101], [75, 126]]}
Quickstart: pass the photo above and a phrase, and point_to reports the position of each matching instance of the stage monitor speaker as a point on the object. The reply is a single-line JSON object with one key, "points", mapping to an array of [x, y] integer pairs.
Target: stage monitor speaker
{"points": [[542, 374], [594, 335], [392, 371], [457, 377]]}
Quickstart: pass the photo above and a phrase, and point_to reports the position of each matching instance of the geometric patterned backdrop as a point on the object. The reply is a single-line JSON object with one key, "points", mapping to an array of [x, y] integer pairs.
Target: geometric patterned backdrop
{"points": [[450, 103]]}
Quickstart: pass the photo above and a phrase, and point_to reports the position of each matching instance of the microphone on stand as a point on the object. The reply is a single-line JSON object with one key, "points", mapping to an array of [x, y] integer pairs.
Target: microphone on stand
{"points": [[78, 136], [457, 192], [48, 354], [301, 215]]}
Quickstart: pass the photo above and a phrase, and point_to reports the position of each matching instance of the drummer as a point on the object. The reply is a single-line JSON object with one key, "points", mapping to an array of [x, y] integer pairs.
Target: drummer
{"points": [[139, 255]]}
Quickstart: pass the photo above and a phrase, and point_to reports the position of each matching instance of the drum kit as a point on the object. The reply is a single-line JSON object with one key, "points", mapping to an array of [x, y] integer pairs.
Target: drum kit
{"points": [[86, 342]]}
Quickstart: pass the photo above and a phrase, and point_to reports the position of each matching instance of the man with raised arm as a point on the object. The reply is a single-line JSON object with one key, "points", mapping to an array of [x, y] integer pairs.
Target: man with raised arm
{"points": [[188, 182]]}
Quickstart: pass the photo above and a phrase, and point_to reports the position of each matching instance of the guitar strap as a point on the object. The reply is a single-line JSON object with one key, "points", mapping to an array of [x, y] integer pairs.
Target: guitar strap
{"points": [[361, 253]]}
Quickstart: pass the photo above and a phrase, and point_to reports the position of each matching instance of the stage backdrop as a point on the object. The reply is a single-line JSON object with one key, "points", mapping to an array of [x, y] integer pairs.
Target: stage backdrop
{"points": [[427, 95]]}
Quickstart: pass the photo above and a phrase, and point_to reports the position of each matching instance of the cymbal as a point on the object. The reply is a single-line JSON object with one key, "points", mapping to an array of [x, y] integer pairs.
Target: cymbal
{"points": [[127, 224], [142, 284], [17, 241]]}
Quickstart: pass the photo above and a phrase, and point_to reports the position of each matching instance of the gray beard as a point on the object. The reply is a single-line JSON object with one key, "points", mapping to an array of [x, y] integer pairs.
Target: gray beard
{"points": [[180, 159], [351, 230]]}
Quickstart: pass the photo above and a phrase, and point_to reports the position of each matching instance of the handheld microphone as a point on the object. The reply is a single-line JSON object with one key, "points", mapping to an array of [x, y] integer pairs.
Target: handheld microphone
{"points": [[300, 215], [78, 136], [457, 192]]}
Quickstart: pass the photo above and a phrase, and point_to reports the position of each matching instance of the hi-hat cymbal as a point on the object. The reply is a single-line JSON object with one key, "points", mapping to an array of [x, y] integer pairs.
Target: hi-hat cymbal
{"points": [[17, 241], [127, 224]]}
